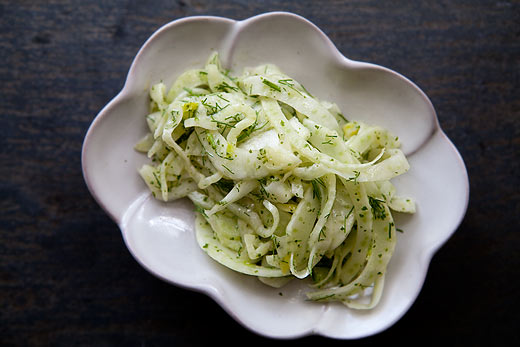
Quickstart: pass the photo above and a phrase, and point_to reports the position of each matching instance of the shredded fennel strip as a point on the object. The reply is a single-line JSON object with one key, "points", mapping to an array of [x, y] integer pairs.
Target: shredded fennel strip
{"points": [[284, 186]]}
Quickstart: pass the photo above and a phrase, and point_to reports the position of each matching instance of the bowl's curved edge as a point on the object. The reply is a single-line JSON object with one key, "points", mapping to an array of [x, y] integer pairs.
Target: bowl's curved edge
{"points": [[118, 98], [84, 149], [463, 170], [340, 58]]}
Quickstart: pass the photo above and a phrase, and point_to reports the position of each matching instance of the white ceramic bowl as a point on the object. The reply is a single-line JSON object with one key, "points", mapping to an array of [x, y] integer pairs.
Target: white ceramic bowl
{"points": [[160, 236]]}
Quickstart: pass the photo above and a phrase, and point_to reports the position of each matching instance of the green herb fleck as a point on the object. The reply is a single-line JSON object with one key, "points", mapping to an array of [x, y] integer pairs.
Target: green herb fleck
{"points": [[225, 167], [378, 208], [271, 84], [316, 193], [354, 179], [225, 87], [201, 210]]}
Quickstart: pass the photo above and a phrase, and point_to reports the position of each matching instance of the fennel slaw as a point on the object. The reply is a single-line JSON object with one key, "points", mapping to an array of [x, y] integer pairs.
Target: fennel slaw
{"points": [[283, 184]]}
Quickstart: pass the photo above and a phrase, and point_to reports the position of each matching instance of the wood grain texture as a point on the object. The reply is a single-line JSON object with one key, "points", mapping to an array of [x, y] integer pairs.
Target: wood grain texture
{"points": [[66, 277]]}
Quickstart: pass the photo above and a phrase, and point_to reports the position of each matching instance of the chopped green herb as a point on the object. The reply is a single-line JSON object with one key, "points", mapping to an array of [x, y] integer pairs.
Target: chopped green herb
{"points": [[354, 179], [225, 167], [201, 210], [225, 87], [249, 130], [316, 193], [378, 208], [272, 85]]}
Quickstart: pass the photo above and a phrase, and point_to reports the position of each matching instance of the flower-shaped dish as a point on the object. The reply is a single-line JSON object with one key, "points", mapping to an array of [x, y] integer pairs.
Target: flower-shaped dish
{"points": [[160, 235]]}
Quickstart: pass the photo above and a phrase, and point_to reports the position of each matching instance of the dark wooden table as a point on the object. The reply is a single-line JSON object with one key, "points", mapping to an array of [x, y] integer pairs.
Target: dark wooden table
{"points": [[66, 277]]}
